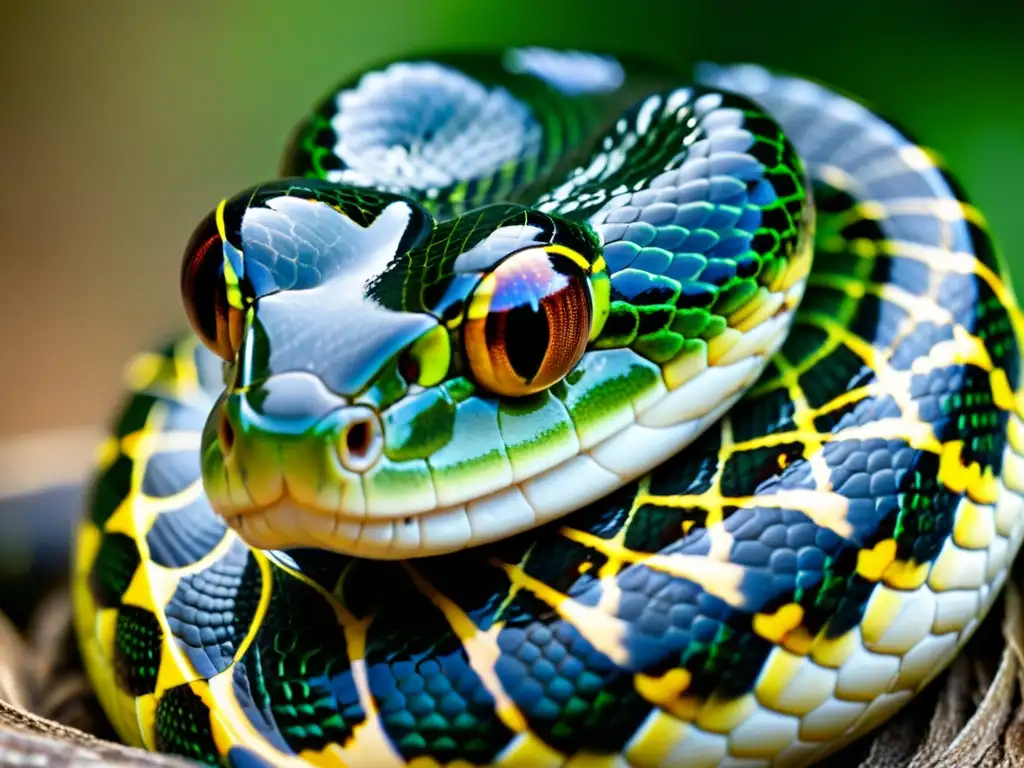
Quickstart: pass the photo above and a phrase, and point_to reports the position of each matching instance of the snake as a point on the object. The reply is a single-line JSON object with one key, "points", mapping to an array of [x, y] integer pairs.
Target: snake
{"points": [[559, 408]]}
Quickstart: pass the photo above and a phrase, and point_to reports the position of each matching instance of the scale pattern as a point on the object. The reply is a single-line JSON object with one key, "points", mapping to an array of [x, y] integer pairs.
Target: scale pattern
{"points": [[761, 599]]}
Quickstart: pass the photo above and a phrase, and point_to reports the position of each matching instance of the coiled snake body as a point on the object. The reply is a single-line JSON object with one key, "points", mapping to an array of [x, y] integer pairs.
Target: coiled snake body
{"points": [[457, 472]]}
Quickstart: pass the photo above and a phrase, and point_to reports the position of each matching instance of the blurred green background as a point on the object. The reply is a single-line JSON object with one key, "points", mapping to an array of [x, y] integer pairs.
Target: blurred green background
{"points": [[124, 122]]}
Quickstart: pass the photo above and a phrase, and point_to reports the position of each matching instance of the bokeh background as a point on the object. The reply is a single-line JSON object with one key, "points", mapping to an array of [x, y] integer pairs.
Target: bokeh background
{"points": [[123, 122]]}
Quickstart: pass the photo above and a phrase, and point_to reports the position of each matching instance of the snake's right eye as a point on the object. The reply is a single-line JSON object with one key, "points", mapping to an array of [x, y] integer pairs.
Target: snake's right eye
{"points": [[204, 290], [529, 320]]}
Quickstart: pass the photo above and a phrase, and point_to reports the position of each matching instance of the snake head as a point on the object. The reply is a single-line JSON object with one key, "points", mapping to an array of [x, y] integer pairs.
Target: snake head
{"points": [[402, 384], [388, 377]]}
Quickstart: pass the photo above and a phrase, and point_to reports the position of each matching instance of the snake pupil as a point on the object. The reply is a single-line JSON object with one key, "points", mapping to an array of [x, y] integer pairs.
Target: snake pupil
{"points": [[526, 337]]}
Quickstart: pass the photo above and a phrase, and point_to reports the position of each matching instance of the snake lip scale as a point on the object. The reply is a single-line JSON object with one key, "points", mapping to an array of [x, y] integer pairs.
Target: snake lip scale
{"points": [[558, 409]]}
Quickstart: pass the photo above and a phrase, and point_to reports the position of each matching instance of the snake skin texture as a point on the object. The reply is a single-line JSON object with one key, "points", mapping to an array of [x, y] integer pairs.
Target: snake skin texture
{"points": [[817, 554]]}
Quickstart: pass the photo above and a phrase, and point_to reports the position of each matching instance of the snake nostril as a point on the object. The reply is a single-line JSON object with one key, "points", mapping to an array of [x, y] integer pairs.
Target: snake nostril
{"points": [[226, 434], [357, 439], [360, 443]]}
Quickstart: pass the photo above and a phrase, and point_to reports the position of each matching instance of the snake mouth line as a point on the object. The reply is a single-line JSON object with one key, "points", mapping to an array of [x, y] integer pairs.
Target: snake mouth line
{"points": [[509, 511], [591, 474]]}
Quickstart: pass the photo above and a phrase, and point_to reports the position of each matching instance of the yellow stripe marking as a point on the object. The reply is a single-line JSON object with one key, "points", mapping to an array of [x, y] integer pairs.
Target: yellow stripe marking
{"points": [[946, 210], [616, 543], [964, 349], [981, 485], [1015, 434], [656, 740], [775, 626], [826, 508], [369, 744], [792, 684], [604, 632], [481, 648], [573, 256], [528, 751], [1002, 392], [905, 575], [720, 715], [721, 579], [803, 418], [918, 307], [145, 717], [845, 313], [871, 563], [895, 383], [961, 262], [667, 692], [833, 653], [230, 726], [266, 588]]}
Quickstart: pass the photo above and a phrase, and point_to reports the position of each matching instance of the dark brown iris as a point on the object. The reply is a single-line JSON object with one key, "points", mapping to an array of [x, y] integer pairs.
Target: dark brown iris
{"points": [[205, 292], [529, 321]]}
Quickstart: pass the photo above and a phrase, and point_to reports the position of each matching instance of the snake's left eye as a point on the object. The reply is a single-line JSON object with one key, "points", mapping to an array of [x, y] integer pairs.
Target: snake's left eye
{"points": [[204, 290], [528, 321]]}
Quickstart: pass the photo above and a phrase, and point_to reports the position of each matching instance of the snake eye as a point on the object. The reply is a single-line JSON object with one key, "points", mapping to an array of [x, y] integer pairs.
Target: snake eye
{"points": [[528, 321], [204, 290]]}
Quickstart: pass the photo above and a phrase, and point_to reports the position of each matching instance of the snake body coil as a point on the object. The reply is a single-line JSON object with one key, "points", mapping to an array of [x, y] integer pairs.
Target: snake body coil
{"points": [[460, 473]]}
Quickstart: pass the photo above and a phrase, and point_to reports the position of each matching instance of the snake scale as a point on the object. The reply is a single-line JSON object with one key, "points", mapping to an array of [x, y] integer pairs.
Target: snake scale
{"points": [[518, 429]]}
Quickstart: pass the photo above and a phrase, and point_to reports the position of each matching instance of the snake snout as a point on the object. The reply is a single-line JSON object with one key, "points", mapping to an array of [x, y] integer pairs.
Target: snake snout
{"points": [[296, 408], [291, 437]]}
